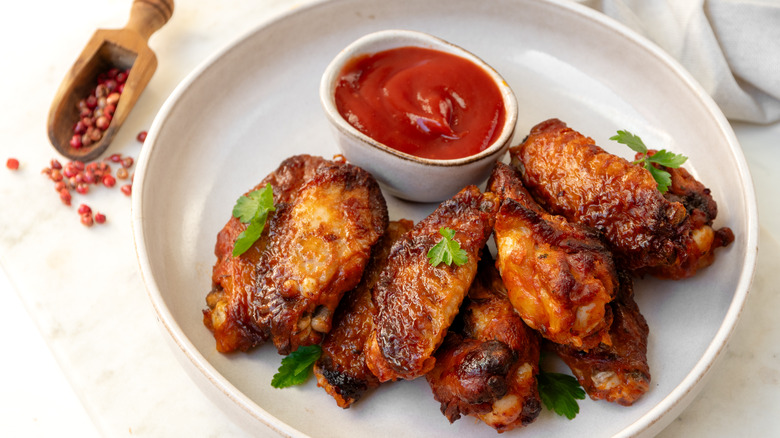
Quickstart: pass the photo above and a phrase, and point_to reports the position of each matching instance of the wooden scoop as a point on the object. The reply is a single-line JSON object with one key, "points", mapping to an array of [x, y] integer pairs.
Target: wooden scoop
{"points": [[124, 49]]}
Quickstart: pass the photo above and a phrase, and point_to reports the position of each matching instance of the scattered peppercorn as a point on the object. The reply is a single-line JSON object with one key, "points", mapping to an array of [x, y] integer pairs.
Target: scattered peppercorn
{"points": [[84, 208], [79, 176], [108, 180], [86, 219], [12, 163], [65, 196]]}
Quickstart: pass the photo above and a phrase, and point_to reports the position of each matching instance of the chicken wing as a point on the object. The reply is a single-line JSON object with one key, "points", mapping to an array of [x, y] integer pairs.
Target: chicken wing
{"points": [[487, 367], [618, 372], [560, 275], [341, 369], [704, 239], [234, 279], [416, 302], [317, 249], [313, 250], [570, 175]]}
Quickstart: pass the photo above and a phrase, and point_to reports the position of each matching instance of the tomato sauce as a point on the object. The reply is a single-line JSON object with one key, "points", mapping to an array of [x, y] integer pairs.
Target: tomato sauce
{"points": [[422, 102]]}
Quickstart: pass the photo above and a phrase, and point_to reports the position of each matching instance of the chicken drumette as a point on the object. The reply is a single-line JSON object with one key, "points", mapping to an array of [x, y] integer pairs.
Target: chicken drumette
{"points": [[488, 363], [616, 372], [559, 275]]}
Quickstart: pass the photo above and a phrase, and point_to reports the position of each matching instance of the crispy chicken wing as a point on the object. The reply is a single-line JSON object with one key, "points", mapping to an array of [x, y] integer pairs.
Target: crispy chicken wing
{"points": [[317, 249], [618, 372], [341, 369], [560, 276], [570, 175], [234, 278], [487, 366], [416, 302], [314, 250], [704, 239]]}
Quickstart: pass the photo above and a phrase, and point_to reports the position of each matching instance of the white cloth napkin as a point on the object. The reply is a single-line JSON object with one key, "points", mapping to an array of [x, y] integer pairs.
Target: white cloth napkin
{"points": [[731, 47]]}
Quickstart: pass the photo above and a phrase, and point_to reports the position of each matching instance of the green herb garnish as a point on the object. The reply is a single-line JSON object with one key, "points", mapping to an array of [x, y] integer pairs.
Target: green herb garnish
{"points": [[447, 251], [662, 157], [296, 366], [560, 392], [252, 209]]}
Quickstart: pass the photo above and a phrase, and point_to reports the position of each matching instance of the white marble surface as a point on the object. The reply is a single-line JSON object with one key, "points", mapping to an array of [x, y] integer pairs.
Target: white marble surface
{"points": [[75, 295]]}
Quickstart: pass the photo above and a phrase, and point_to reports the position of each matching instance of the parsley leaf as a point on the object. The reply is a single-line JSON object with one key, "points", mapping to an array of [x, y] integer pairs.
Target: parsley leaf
{"points": [[447, 251], [249, 236], [668, 159], [560, 392], [663, 157], [633, 141], [246, 207], [252, 209], [295, 367], [662, 178]]}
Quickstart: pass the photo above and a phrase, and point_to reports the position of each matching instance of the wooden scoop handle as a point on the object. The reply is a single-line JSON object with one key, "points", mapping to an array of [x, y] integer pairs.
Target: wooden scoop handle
{"points": [[147, 16]]}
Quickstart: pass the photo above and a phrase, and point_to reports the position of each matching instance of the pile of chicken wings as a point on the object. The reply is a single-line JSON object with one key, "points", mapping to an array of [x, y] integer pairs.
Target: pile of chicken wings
{"points": [[572, 226]]}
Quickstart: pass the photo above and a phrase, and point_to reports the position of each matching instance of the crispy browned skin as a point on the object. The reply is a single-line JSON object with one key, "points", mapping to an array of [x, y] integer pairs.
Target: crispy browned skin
{"points": [[416, 302], [570, 175], [487, 367], [316, 246], [341, 369], [619, 372], [560, 276], [703, 240], [234, 278]]}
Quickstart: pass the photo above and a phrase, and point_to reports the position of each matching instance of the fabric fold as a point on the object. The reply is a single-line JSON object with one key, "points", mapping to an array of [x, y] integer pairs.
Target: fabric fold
{"points": [[731, 47]]}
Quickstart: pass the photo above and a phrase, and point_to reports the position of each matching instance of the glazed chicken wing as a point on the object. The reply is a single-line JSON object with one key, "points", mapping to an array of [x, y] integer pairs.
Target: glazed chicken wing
{"points": [[560, 276], [487, 367], [416, 302], [341, 369], [572, 176], [618, 372], [234, 279], [315, 249], [704, 239]]}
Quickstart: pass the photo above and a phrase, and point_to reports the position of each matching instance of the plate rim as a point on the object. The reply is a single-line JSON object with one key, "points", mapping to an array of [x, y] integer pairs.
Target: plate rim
{"points": [[653, 421]]}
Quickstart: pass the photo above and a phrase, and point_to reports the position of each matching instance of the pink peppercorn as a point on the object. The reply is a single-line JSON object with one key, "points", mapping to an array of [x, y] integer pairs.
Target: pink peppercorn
{"points": [[86, 219], [108, 181], [65, 196]]}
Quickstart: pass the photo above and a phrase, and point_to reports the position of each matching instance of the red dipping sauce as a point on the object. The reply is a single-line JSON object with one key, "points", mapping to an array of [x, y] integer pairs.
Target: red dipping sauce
{"points": [[423, 102]]}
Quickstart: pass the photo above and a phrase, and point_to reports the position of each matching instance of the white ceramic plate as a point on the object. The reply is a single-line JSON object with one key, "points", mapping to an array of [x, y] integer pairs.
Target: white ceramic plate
{"points": [[234, 120]]}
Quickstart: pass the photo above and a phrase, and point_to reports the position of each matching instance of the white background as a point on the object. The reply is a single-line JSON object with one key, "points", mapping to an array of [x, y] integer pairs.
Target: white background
{"points": [[39, 40]]}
